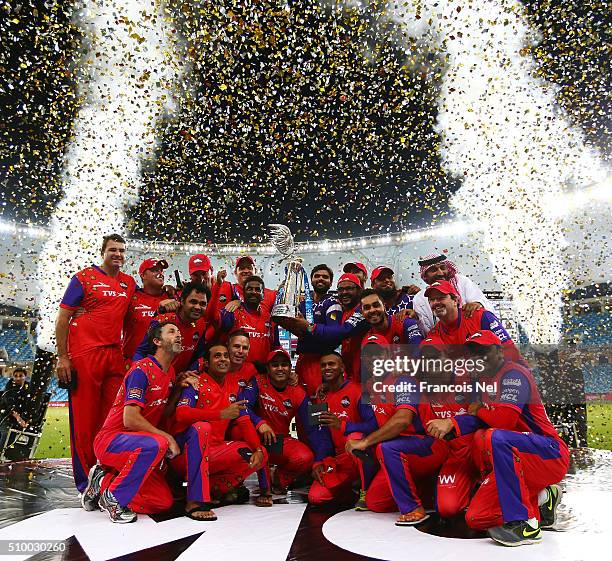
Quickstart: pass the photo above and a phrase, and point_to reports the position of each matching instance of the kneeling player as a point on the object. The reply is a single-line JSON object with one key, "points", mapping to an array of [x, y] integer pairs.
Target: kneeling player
{"points": [[521, 457], [131, 446], [336, 472], [273, 403], [216, 401]]}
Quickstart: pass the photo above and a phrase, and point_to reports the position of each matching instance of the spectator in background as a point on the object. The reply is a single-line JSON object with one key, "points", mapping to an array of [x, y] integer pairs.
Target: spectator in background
{"points": [[15, 411], [3, 355]]}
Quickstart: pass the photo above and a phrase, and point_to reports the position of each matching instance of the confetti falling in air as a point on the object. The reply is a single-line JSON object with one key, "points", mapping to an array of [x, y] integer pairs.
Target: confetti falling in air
{"points": [[503, 134], [129, 69]]}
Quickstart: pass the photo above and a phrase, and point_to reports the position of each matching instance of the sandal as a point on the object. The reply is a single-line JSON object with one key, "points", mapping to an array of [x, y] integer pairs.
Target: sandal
{"points": [[264, 500], [412, 518], [203, 507]]}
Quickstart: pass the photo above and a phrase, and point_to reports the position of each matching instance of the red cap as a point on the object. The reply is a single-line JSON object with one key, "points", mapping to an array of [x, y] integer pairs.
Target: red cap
{"points": [[351, 278], [242, 258], [484, 337], [434, 341], [376, 272], [151, 264], [374, 340], [199, 262], [277, 352], [442, 286], [360, 266]]}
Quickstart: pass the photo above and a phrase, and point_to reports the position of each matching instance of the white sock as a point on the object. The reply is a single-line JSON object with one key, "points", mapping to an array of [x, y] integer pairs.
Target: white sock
{"points": [[542, 496], [533, 522]]}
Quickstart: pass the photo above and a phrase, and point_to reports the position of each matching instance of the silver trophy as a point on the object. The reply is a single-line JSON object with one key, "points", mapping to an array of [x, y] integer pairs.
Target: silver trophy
{"points": [[295, 287]]}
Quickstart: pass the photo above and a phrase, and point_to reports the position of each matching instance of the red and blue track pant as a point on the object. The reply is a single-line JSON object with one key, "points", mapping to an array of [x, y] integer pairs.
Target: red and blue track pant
{"points": [[514, 467], [137, 478], [99, 376], [295, 460], [404, 460]]}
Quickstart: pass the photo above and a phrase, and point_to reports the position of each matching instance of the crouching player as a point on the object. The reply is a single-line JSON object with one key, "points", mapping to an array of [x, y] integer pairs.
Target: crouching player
{"points": [[409, 457], [132, 445], [520, 455], [273, 403], [336, 472], [216, 402]]}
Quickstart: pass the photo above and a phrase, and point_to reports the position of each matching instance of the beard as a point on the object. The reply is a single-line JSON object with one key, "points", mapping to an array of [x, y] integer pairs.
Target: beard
{"points": [[321, 289], [386, 293]]}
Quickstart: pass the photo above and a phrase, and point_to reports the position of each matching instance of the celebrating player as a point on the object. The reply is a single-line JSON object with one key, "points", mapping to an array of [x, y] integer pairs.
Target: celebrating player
{"points": [[273, 404], [190, 320], [357, 269], [143, 305], [437, 267], [216, 401], [383, 282], [521, 457], [89, 357], [133, 442], [336, 472]]}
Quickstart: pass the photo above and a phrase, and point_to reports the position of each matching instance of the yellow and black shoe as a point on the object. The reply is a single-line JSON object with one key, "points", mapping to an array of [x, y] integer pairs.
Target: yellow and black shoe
{"points": [[548, 511], [519, 532], [361, 505]]}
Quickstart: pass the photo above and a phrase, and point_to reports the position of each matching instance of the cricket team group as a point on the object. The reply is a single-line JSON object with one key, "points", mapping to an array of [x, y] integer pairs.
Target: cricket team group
{"points": [[178, 394]]}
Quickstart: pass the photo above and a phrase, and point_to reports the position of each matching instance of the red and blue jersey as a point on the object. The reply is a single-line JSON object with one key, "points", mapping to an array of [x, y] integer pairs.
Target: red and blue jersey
{"points": [[514, 405], [141, 310], [145, 385], [103, 301], [464, 327], [226, 292], [206, 404], [346, 403], [263, 333], [192, 334], [275, 407], [399, 332]]}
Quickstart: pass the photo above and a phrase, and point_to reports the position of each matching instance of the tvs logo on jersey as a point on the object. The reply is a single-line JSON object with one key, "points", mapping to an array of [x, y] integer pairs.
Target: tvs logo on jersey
{"points": [[287, 403], [345, 401]]}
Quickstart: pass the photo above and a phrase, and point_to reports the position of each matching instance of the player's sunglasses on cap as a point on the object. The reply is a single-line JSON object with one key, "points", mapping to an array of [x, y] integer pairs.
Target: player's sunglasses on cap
{"points": [[199, 262], [152, 264], [442, 286], [278, 352], [351, 278], [347, 268], [244, 258], [377, 272], [481, 341]]}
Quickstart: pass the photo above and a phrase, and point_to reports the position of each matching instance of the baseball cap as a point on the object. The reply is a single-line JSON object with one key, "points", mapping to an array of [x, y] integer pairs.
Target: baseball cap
{"points": [[243, 258], [376, 272], [199, 262], [484, 337], [278, 352], [351, 278], [443, 286], [360, 266], [152, 263], [375, 340]]}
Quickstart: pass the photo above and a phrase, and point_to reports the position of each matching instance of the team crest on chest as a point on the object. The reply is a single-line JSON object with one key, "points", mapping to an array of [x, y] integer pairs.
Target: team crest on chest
{"points": [[345, 401], [287, 403]]}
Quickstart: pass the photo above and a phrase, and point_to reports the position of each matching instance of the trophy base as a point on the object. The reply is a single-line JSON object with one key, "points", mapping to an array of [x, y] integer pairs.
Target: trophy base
{"points": [[283, 311]]}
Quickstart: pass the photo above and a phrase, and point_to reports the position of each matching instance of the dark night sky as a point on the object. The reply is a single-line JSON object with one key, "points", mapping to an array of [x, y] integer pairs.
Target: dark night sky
{"points": [[340, 143]]}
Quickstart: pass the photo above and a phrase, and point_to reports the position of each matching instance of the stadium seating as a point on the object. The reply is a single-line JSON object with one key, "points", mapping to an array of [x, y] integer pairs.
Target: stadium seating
{"points": [[17, 343], [590, 328], [598, 378], [57, 393]]}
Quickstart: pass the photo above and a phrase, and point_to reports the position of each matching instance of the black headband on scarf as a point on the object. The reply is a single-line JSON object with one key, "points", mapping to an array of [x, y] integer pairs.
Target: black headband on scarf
{"points": [[432, 261]]}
